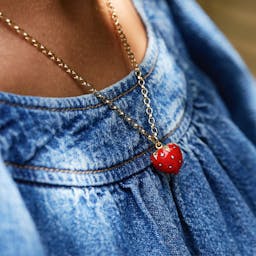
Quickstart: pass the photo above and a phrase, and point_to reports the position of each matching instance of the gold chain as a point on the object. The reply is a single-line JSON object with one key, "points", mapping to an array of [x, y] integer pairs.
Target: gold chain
{"points": [[82, 82]]}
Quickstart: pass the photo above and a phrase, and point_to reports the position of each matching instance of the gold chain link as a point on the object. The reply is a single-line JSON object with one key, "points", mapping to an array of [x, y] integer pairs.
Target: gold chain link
{"points": [[82, 82]]}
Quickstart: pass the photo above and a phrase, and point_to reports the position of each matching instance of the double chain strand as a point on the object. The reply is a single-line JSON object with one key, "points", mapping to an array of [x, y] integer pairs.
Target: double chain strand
{"points": [[82, 82]]}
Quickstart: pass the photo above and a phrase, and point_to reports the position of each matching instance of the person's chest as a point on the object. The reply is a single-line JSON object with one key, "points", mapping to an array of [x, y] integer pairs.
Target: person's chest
{"points": [[88, 44]]}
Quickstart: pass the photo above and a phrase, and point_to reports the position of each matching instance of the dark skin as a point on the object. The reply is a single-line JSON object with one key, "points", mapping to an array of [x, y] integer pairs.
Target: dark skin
{"points": [[80, 32]]}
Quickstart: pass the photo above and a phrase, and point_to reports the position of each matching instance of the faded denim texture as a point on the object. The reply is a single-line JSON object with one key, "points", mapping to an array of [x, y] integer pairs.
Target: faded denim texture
{"points": [[75, 179]]}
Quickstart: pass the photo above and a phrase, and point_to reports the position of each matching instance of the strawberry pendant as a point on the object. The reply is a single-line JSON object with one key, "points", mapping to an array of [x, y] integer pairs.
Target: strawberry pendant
{"points": [[167, 159]]}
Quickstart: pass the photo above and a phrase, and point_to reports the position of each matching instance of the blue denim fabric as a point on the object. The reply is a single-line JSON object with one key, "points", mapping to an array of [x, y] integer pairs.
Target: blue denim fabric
{"points": [[75, 179]]}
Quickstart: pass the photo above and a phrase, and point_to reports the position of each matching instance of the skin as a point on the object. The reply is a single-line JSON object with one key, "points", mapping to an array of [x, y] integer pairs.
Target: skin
{"points": [[80, 32]]}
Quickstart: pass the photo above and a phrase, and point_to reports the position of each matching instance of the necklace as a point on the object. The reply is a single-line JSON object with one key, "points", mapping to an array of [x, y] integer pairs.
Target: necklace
{"points": [[167, 158]]}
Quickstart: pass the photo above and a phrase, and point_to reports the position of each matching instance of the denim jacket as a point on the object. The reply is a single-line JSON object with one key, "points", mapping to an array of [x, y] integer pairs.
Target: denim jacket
{"points": [[76, 179]]}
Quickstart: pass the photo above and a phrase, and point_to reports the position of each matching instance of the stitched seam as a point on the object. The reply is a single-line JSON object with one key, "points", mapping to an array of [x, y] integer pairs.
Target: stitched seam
{"points": [[6, 102], [47, 184], [56, 170]]}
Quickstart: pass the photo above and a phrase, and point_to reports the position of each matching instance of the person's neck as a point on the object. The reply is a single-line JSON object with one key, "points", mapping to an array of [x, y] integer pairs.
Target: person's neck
{"points": [[60, 8]]}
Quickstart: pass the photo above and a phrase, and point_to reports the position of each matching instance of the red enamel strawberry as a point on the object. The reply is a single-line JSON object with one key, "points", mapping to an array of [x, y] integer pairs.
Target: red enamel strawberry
{"points": [[168, 159]]}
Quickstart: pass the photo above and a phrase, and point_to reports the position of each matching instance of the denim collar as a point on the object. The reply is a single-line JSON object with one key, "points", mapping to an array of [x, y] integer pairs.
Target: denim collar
{"points": [[78, 141]]}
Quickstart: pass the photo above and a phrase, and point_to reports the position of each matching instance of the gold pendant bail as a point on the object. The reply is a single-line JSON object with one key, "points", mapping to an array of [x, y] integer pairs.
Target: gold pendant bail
{"points": [[158, 144]]}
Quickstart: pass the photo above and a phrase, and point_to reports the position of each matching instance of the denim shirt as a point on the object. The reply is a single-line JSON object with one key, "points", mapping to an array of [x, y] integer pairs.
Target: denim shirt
{"points": [[76, 179]]}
